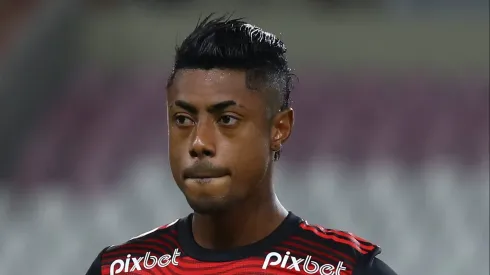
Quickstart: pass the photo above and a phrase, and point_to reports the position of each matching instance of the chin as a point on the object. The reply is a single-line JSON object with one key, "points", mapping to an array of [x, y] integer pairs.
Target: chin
{"points": [[208, 206]]}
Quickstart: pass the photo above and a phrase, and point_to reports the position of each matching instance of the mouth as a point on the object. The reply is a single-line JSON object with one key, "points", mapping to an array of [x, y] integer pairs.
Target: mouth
{"points": [[204, 172], [203, 180], [205, 175]]}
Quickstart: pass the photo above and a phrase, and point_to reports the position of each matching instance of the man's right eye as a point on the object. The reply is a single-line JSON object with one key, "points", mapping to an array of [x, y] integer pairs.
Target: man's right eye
{"points": [[183, 120]]}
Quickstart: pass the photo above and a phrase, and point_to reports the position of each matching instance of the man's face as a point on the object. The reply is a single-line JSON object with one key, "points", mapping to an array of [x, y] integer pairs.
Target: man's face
{"points": [[219, 137]]}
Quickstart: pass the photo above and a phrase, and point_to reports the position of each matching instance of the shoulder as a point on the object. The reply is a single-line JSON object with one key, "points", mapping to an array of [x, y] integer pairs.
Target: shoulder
{"points": [[346, 245], [158, 245], [160, 240], [167, 232]]}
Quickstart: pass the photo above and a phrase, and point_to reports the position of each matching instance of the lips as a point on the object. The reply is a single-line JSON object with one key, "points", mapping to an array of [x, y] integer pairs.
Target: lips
{"points": [[201, 180], [204, 171], [204, 175]]}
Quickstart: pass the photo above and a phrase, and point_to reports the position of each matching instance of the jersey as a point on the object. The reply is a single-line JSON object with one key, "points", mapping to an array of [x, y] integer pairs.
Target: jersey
{"points": [[294, 248]]}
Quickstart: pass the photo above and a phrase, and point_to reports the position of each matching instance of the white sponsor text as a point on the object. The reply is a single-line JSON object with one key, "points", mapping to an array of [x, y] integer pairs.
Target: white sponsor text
{"points": [[147, 262], [299, 264]]}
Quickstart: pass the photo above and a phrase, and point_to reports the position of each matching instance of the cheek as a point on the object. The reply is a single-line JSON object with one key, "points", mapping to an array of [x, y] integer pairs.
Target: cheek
{"points": [[176, 157], [177, 138], [177, 148], [252, 162], [173, 142], [248, 151]]}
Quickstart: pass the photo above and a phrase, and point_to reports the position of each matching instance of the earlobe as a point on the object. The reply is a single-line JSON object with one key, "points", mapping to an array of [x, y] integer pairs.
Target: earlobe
{"points": [[276, 143], [275, 138]]}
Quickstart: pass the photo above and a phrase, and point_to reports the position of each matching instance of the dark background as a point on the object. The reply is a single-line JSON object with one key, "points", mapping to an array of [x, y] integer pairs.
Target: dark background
{"points": [[390, 142]]}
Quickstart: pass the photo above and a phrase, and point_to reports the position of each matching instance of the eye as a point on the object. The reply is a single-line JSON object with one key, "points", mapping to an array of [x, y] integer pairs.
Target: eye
{"points": [[182, 120], [227, 120]]}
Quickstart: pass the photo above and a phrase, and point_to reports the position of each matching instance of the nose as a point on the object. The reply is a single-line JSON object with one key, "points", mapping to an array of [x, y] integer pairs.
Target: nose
{"points": [[202, 144]]}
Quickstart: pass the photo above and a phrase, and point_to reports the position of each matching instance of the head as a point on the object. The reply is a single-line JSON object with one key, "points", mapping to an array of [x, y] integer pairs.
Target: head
{"points": [[229, 113]]}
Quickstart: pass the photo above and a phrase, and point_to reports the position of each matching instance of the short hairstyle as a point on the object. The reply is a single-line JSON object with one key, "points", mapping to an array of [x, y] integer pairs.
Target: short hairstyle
{"points": [[226, 43]]}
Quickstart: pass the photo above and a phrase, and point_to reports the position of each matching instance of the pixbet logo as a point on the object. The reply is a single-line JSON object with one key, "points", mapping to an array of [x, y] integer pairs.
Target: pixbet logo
{"points": [[309, 266], [148, 262]]}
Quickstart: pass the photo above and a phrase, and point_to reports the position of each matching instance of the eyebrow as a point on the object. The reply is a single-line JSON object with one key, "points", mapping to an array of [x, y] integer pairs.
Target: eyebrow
{"points": [[221, 106], [215, 108], [185, 105]]}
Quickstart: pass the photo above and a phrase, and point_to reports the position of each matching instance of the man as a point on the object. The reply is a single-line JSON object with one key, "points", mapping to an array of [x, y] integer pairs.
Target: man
{"points": [[228, 116]]}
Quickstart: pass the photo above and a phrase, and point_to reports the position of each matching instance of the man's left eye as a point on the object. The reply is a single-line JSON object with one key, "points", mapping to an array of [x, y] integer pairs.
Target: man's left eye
{"points": [[227, 120]]}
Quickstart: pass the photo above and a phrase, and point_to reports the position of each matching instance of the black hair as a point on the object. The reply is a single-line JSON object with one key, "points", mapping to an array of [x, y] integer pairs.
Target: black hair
{"points": [[226, 43]]}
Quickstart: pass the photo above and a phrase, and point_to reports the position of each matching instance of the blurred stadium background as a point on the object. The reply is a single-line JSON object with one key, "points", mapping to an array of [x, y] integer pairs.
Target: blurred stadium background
{"points": [[391, 139]]}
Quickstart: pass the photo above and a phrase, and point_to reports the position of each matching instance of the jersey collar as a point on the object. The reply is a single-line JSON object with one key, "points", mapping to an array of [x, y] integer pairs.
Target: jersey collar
{"points": [[191, 248]]}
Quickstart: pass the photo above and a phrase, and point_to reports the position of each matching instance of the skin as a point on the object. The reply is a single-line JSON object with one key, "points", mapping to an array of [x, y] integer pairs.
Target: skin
{"points": [[221, 142]]}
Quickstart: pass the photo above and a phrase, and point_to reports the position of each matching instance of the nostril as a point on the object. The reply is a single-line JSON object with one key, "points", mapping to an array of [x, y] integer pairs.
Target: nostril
{"points": [[201, 153], [193, 154]]}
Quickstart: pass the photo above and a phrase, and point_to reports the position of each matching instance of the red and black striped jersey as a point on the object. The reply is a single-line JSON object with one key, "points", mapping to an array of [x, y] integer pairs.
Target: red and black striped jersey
{"points": [[295, 247]]}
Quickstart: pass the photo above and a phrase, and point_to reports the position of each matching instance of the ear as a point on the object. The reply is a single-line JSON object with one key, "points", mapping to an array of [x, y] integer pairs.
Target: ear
{"points": [[282, 126]]}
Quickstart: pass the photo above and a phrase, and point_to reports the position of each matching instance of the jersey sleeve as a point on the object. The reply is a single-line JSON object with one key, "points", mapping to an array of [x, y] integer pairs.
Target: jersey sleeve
{"points": [[375, 267], [96, 266]]}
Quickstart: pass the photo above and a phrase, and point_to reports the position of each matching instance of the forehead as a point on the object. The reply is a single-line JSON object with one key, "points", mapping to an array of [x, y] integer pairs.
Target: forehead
{"points": [[208, 86]]}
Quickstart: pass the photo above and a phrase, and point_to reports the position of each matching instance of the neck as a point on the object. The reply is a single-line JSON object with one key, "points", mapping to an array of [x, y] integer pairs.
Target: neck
{"points": [[239, 226]]}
